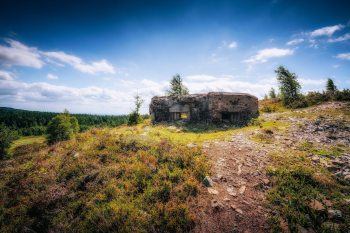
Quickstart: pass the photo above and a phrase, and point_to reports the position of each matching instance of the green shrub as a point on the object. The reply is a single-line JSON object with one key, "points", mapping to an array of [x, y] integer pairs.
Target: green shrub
{"points": [[6, 138], [62, 127], [134, 118]]}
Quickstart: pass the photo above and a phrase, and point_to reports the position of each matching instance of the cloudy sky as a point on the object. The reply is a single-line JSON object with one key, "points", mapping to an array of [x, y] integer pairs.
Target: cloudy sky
{"points": [[93, 56]]}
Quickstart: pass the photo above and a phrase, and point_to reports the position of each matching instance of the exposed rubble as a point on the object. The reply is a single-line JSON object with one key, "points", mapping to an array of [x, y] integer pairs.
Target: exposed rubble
{"points": [[239, 177]]}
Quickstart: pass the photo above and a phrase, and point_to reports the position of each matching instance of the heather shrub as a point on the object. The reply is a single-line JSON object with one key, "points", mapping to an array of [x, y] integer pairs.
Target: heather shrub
{"points": [[102, 181]]}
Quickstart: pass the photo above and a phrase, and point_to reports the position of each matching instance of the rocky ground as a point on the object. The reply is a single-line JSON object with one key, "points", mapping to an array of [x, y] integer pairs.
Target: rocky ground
{"points": [[238, 185]]}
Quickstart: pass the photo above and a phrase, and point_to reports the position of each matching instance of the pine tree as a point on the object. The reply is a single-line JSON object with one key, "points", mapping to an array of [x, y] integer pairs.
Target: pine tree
{"points": [[6, 138], [331, 87], [135, 117], [272, 93], [176, 86], [288, 85]]}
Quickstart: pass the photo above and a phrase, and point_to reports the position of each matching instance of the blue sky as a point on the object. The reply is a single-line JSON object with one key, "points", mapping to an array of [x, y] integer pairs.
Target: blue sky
{"points": [[93, 56]]}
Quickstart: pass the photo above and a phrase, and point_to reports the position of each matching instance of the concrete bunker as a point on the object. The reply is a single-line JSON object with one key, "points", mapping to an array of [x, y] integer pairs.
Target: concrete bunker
{"points": [[214, 107], [179, 112]]}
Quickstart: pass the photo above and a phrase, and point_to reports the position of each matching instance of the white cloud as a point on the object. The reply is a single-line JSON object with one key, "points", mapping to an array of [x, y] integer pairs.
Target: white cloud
{"points": [[201, 77], [344, 56], [126, 74], [227, 76], [215, 59], [271, 40], [78, 63], [19, 54], [272, 80], [224, 44], [51, 76], [336, 66], [342, 38], [224, 85], [312, 81], [43, 95], [313, 45], [295, 41], [4, 75], [6, 66], [53, 62], [126, 83], [264, 54], [149, 83], [348, 82], [233, 45], [230, 86], [150, 88], [326, 31]]}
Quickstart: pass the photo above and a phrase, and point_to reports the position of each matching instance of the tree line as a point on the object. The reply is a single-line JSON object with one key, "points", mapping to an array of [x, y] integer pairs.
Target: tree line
{"points": [[291, 96], [28, 123]]}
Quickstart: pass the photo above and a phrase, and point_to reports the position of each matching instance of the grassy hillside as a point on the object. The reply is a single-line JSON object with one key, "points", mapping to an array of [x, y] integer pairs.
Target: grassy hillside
{"points": [[103, 180], [148, 178]]}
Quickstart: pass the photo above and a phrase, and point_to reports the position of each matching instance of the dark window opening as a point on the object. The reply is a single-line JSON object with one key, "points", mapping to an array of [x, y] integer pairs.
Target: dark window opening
{"points": [[225, 116]]}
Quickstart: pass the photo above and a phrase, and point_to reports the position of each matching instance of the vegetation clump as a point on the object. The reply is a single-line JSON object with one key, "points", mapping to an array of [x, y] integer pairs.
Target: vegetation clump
{"points": [[62, 127], [331, 87], [6, 138], [134, 117], [297, 183], [177, 87], [103, 180], [272, 93], [288, 85]]}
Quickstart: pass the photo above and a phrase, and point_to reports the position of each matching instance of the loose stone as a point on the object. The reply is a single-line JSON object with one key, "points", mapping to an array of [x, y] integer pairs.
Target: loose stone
{"points": [[213, 191], [208, 182], [242, 190], [335, 213]]}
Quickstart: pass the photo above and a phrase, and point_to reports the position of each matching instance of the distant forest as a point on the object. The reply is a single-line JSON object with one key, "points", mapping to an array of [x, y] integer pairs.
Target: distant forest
{"points": [[28, 123]]}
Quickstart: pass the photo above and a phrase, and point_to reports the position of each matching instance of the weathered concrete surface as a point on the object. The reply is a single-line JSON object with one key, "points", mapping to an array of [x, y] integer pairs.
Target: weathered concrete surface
{"points": [[214, 107]]}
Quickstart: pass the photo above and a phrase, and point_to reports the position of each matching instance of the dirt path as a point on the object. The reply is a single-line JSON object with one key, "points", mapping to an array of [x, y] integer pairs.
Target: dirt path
{"points": [[239, 182], [238, 171]]}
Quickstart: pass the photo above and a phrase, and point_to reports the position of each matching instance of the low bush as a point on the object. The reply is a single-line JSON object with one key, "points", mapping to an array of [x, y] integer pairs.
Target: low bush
{"points": [[271, 105], [314, 98], [296, 183], [134, 118], [103, 181]]}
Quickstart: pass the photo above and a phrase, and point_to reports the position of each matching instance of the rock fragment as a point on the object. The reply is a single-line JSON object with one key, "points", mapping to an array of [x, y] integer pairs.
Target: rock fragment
{"points": [[213, 191], [347, 178], [331, 225], [208, 182], [284, 225], [215, 204], [315, 159], [335, 214], [317, 206], [239, 211], [172, 128], [301, 229], [242, 189], [266, 181]]}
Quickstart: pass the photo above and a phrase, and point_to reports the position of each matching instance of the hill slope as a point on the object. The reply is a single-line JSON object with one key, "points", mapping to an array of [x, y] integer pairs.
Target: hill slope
{"points": [[286, 170]]}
